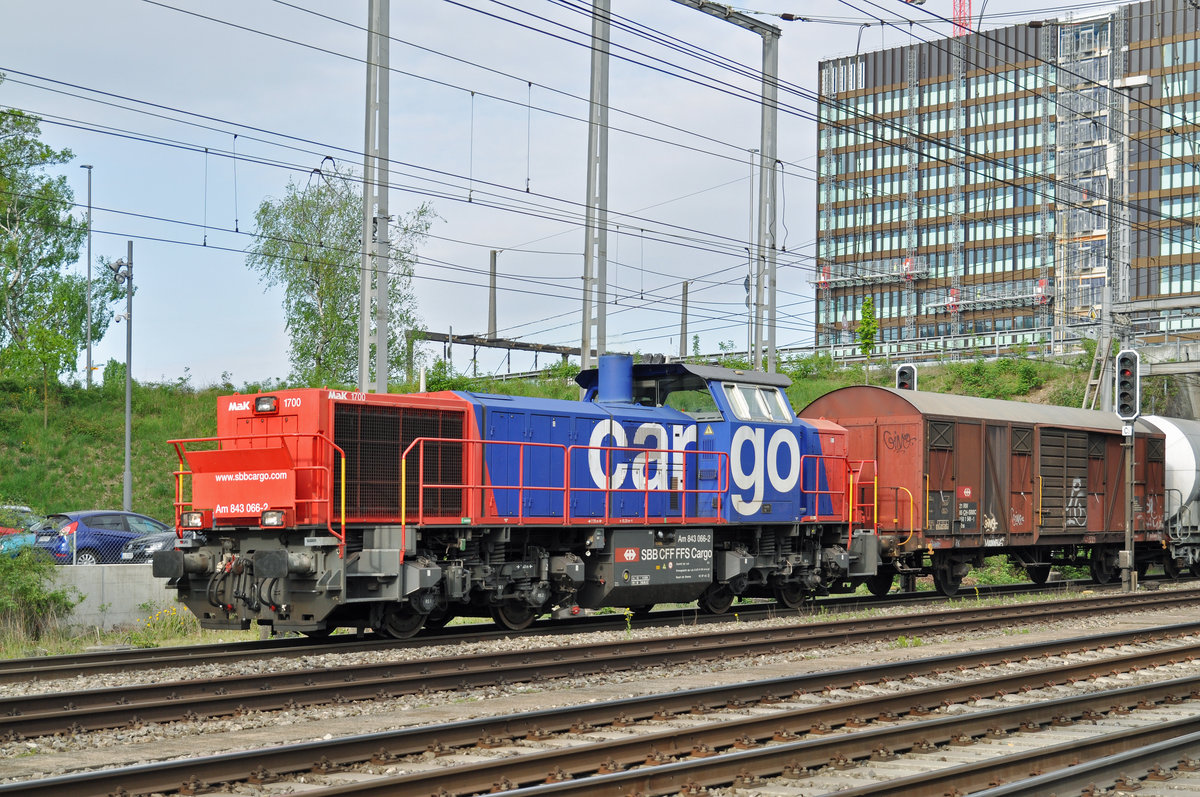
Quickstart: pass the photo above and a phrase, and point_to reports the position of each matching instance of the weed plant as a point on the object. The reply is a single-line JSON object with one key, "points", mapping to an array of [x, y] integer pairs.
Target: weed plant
{"points": [[166, 624]]}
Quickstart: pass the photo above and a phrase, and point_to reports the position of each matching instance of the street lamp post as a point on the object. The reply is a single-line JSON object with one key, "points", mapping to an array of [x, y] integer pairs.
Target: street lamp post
{"points": [[123, 271], [89, 277]]}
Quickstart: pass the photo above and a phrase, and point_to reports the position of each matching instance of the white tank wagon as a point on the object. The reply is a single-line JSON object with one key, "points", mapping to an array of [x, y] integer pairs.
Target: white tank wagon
{"points": [[1181, 515]]}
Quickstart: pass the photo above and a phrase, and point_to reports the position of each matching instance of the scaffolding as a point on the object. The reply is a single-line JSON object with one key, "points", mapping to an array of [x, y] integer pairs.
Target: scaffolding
{"points": [[1082, 139], [911, 206], [826, 260], [1043, 300], [873, 272], [958, 86]]}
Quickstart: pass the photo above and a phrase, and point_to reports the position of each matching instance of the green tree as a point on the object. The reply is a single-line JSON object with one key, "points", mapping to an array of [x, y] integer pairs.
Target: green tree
{"points": [[309, 243], [868, 329], [43, 308]]}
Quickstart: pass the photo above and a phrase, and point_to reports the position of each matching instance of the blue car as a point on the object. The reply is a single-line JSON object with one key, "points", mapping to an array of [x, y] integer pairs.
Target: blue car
{"points": [[93, 537]]}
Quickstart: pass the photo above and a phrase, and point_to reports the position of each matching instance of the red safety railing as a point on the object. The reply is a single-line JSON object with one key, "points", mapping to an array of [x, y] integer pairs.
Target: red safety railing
{"points": [[475, 493], [837, 475], [663, 471], [864, 496], [320, 468]]}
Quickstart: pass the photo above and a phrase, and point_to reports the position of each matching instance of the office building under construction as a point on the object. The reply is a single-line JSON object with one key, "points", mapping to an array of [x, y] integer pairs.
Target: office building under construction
{"points": [[1013, 188]]}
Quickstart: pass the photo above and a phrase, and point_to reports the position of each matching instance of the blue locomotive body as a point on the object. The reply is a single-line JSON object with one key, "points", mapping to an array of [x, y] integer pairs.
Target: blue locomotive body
{"points": [[673, 443]]}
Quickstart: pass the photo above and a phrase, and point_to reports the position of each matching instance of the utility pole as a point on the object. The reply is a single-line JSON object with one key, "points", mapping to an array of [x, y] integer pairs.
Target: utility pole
{"points": [[683, 324], [123, 272], [89, 277], [492, 298], [375, 201], [595, 246]]}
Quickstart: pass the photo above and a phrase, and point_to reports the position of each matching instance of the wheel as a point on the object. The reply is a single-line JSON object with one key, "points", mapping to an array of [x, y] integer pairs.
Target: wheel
{"points": [[319, 633], [438, 619], [1142, 568], [1171, 567], [790, 594], [1038, 574], [948, 574], [946, 582], [880, 584], [514, 615], [87, 557], [642, 611], [1103, 565], [1194, 569], [716, 599], [399, 621]]}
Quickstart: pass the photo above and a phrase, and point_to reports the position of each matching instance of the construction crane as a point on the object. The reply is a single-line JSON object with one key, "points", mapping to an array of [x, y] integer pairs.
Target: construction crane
{"points": [[962, 17]]}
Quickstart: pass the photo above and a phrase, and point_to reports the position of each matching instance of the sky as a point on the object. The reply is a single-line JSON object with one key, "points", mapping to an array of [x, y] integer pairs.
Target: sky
{"points": [[193, 113]]}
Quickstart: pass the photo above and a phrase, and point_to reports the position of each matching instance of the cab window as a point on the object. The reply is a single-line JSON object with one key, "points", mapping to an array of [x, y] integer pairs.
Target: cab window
{"points": [[687, 393], [751, 403]]}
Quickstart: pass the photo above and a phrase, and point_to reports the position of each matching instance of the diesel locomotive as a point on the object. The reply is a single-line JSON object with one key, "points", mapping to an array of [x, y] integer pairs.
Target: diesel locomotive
{"points": [[667, 482]]}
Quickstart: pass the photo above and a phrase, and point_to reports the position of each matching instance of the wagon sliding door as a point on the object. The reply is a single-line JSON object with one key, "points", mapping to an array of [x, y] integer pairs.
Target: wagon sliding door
{"points": [[939, 478], [1063, 481], [1021, 485]]}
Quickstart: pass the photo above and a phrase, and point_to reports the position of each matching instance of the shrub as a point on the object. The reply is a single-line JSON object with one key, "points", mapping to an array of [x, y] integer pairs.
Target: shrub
{"points": [[29, 603]]}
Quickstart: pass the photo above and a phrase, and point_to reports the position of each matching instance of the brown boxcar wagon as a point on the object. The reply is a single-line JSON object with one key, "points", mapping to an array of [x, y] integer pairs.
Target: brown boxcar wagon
{"points": [[962, 478]]}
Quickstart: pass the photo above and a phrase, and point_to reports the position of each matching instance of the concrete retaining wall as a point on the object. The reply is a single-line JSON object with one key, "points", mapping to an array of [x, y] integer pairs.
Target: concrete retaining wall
{"points": [[114, 595]]}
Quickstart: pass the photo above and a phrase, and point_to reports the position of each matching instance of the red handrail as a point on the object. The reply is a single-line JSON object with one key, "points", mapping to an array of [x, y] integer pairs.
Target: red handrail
{"points": [[567, 488]]}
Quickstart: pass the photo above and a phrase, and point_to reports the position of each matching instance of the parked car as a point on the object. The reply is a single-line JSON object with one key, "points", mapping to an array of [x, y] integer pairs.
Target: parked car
{"points": [[17, 519], [93, 537], [13, 544], [142, 549]]}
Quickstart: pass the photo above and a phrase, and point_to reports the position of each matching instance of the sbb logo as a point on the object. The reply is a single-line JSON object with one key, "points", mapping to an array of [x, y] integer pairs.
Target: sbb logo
{"points": [[627, 555]]}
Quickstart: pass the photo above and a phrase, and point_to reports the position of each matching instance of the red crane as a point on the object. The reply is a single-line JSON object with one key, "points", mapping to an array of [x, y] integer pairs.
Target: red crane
{"points": [[962, 17]]}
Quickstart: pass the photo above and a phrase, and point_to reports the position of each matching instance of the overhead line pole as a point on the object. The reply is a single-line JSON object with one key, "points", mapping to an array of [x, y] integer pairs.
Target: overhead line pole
{"points": [[374, 228], [595, 241], [765, 265]]}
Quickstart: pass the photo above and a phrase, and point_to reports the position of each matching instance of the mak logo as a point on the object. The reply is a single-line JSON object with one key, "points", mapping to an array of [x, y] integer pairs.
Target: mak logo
{"points": [[235, 406], [628, 554]]}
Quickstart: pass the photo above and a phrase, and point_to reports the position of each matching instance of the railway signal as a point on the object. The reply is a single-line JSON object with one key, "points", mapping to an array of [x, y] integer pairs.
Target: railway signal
{"points": [[1128, 385], [906, 377]]}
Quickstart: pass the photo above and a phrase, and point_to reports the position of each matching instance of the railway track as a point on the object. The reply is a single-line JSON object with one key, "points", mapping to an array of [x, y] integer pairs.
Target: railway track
{"points": [[121, 660], [73, 712], [913, 727]]}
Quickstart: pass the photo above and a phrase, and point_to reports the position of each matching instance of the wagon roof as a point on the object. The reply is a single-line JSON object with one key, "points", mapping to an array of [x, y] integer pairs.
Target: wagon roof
{"points": [[873, 399]]}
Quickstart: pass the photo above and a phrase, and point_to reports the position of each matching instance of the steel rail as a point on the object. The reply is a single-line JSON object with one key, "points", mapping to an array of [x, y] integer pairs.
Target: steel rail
{"points": [[98, 662], [744, 767], [729, 733], [750, 731], [1102, 769], [93, 709]]}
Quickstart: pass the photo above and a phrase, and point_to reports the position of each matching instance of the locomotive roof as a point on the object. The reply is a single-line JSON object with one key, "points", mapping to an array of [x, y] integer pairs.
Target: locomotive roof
{"points": [[589, 377], [971, 407]]}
